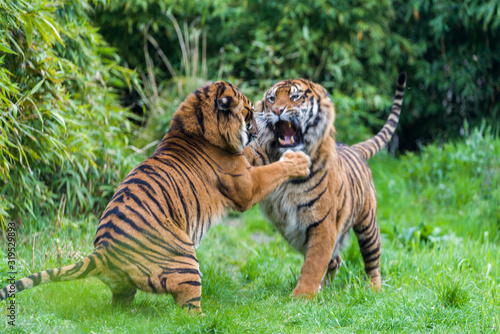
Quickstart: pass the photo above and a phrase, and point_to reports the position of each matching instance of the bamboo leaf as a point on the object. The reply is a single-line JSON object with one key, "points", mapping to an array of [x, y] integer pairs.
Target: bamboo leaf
{"points": [[36, 88], [28, 27], [6, 49], [54, 30]]}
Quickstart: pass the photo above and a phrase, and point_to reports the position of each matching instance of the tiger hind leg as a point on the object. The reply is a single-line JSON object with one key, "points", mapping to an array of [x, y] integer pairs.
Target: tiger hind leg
{"points": [[122, 293], [368, 234], [182, 279], [333, 268], [186, 289], [123, 297], [336, 260]]}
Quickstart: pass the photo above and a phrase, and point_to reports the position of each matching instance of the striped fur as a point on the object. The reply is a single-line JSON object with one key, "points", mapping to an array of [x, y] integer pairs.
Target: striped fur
{"points": [[315, 214], [147, 235]]}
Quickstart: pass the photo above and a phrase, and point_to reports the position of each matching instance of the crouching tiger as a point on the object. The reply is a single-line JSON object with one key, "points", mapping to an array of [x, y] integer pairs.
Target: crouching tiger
{"points": [[314, 214], [147, 235]]}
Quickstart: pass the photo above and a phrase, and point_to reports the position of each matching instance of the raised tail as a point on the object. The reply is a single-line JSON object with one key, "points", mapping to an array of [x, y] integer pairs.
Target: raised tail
{"points": [[85, 268], [370, 147]]}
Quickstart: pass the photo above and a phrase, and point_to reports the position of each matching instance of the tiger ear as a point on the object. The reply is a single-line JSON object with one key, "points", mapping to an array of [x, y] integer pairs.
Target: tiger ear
{"points": [[320, 90], [224, 103]]}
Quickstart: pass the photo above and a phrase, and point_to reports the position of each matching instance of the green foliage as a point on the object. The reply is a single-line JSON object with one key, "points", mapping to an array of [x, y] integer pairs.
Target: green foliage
{"points": [[476, 159], [344, 46], [453, 294], [161, 96], [438, 264], [62, 133], [451, 288], [354, 49], [453, 69], [454, 187], [424, 235]]}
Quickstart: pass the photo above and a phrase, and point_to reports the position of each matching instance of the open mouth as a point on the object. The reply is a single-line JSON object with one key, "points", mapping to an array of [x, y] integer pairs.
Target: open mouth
{"points": [[288, 133]]}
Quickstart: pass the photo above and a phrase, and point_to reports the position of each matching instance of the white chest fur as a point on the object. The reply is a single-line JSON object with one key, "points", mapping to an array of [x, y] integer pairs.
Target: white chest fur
{"points": [[281, 209]]}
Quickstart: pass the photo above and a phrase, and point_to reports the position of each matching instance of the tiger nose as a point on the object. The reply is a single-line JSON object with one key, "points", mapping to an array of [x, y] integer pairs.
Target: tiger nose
{"points": [[277, 110]]}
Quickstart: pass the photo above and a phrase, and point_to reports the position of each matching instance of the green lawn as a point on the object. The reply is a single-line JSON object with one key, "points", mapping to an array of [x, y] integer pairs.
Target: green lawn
{"points": [[440, 273]]}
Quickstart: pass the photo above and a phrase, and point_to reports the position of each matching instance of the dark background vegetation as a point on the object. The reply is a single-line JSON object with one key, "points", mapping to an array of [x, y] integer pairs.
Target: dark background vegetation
{"points": [[87, 87], [450, 50]]}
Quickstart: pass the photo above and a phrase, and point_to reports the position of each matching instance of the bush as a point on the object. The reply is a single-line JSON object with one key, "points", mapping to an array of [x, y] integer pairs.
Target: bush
{"points": [[475, 160], [63, 136], [453, 70], [461, 177], [347, 47], [355, 49]]}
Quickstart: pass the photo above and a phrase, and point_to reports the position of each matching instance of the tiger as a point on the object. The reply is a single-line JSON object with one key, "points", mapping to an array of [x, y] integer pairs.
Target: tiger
{"points": [[147, 235], [314, 214]]}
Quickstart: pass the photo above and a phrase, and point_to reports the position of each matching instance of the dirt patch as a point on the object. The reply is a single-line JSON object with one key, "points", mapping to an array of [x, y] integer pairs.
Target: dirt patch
{"points": [[262, 238]]}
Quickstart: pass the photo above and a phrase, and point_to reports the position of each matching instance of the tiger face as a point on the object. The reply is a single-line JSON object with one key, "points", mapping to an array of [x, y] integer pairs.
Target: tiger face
{"points": [[227, 121], [235, 119], [294, 115]]}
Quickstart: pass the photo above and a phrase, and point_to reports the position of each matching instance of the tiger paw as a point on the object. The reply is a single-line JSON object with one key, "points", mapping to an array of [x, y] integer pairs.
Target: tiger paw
{"points": [[297, 293], [298, 164], [375, 283]]}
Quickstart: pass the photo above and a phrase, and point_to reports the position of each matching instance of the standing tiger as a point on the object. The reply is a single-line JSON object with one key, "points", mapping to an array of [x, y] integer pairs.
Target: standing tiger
{"points": [[314, 214], [147, 235]]}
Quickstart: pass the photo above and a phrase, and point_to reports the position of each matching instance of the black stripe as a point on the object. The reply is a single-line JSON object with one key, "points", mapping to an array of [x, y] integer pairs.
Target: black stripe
{"points": [[319, 182], [88, 270], [311, 202], [138, 181], [111, 226], [378, 143], [19, 286], [341, 187], [76, 267], [196, 299], [352, 164], [368, 269], [169, 270], [315, 224], [367, 256], [311, 175], [199, 113], [368, 241], [36, 278], [151, 285], [366, 216], [362, 231], [193, 283], [392, 123]]}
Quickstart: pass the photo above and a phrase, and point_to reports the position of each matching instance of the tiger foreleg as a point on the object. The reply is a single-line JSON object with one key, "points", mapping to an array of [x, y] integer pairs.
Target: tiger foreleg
{"points": [[259, 182], [320, 245], [267, 178]]}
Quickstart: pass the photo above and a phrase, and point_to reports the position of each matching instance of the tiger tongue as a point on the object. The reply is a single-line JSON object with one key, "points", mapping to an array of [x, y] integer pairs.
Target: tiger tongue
{"points": [[288, 140]]}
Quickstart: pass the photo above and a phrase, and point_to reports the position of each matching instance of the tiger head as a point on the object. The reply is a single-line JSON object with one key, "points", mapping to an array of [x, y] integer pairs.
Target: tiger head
{"points": [[220, 113], [294, 115]]}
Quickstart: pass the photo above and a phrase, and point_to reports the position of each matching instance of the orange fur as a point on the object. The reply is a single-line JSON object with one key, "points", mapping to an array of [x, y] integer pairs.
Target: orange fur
{"points": [[314, 214], [147, 235]]}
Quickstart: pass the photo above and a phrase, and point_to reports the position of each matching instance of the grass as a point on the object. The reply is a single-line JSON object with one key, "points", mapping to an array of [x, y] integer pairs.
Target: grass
{"points": [[440, 269]]}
